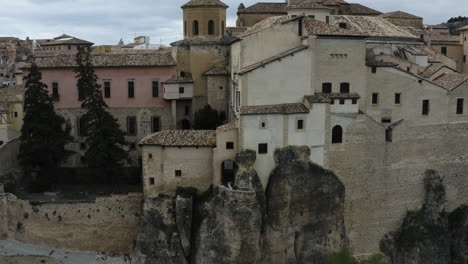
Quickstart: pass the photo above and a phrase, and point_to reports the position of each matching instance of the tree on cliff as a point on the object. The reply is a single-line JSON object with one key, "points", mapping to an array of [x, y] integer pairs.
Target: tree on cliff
{"points": [[207, 118], [44, 134], [104, 139]]}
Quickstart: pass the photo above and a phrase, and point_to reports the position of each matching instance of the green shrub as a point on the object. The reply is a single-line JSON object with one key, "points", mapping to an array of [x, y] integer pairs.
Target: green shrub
{"points": [[34, 203], [343, 257], [375, 259]]}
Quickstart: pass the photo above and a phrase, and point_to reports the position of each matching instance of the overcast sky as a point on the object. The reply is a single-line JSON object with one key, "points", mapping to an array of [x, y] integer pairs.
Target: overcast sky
{"points": [[106, 22]]}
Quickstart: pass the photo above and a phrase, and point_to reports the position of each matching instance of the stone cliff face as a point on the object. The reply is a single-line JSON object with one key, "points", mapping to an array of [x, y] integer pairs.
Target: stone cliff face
{"points": [[430, 235], [305, 207], [299, 219]]}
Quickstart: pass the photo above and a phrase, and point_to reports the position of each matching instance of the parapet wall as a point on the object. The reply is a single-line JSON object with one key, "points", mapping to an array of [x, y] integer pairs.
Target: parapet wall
{"points": [[107, 225], [385, 179]]}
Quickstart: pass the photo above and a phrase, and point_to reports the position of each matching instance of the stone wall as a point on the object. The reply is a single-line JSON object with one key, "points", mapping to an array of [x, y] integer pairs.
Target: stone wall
{"points": [[9, 157], [109, 224], [385, 179]]}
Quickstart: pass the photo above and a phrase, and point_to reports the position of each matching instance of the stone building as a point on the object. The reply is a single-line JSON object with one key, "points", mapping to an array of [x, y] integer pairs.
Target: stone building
{"points": [[464, 41], [63, 45], [132, 86], [205, 45], [177, 158]]}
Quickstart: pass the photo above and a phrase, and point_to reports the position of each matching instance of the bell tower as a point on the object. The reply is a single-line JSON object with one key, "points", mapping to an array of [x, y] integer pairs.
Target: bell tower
{"points": [[204, 19]]}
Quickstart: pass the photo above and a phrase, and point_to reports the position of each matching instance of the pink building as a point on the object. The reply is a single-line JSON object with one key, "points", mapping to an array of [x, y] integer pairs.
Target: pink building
{"points": [[64, 44], [132, 88]]}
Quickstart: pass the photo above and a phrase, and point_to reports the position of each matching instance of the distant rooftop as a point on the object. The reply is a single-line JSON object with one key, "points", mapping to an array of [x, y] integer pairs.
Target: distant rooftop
{"points": [[181, 138], [274, 109], [66, 40], [399, 14], [158, 58], [451, 80]]}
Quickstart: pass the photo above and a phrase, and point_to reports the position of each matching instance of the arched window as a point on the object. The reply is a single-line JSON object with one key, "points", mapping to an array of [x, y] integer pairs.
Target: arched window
{"points": [[195, 28], [185, 28], [222, 28], [337, 135], [211, 27]]}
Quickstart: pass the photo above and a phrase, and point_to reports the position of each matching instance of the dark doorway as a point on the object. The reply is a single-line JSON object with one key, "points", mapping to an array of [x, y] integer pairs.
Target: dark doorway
{"points": [[337, 135], [185, 124], [228, 172]]}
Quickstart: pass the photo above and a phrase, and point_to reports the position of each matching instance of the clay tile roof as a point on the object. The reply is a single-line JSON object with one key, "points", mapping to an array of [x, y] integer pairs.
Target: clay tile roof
{"points": [[226, 127], [67, 40], [451, 80], [358, 9], [432, 69], [177, 78], [181, 138], [315, 27], [158, 58], [264, 24], [318, 99], [272, 8], [200, 3], [307, 5], [218, 70], [399, 14], [272, 59], [340, 95], [372, 62], [372, 26], [274, 109], [445, 37]]}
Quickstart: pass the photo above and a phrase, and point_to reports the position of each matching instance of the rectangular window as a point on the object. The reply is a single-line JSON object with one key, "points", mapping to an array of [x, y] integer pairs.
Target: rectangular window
{"points": [[55, 91], [460, 104], [155, 88], [300, 28], [237, 101], [375, 98], [327, 19], [151, 181], [263, 124], [388, 135], [398, 98], [326, 88], [425, 107], [107, 89], [229, 145], [300, 124], [342, 101], [81, 127], [187, 110], [181, 90], [178, 173], [464, 58], [131, 89], [354, 101], [131, 125], [262, 148], [332, 101], [155, 124], [443, 50], [374, 69], [344, 88]]}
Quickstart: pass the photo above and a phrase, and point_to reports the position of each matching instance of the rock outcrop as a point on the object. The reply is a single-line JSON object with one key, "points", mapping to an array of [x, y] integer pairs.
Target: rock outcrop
{"points": [[305, 210], [158, 240], [299, 219], [430, 235]]}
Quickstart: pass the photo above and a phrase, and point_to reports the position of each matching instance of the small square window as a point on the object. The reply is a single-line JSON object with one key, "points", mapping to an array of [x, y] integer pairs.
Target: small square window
{"points": [[16, 114], [354, 101], [178, 173], [374, 69], [342, 101], [263, 124], [229, 145], [181, 90], [150, 156], [386, 120], [300, 124], [398, 98], [221, 88], [151, 181], [262, 148], [332, 101]]}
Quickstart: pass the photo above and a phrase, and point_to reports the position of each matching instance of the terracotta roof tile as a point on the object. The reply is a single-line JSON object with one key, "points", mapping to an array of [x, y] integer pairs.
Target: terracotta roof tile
{"points": [[372, 26], [64, 40], [177, 78], [226, 127], [315, 27], [307, 5], [161, 57], [198, 3], [451, 80], [445, 37], [399, 14], [274, 109], [358, 9], [272, 8], [318, 99], [181, 138], [339, 95], [218, 70], [432, 69]]}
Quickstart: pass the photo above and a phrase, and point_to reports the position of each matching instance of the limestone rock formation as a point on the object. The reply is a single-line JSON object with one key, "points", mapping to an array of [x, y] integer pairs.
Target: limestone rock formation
{"points": [[231, 231], [305, 210], [158, 240], [430, 235]]}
